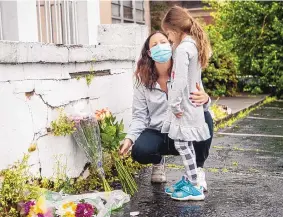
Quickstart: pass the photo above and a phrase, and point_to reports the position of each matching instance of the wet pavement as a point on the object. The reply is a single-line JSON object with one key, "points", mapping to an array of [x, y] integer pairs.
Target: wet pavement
{"points": [[244, 174]]}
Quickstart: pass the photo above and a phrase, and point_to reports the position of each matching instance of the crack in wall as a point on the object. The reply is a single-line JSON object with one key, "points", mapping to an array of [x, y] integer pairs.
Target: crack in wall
{"points": [[42, 133], [64, 104]]}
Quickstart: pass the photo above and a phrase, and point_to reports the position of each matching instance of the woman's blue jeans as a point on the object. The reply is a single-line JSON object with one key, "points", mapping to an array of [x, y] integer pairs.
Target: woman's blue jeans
{"points": [[151, 145]]}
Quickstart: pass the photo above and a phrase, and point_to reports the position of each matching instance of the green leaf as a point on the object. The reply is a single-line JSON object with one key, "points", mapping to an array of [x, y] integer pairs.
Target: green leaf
{"points": [[111, 130], [106, 138]]}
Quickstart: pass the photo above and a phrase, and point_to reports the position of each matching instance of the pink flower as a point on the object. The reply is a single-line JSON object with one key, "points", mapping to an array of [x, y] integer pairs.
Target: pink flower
{"points": [[84, 210]]}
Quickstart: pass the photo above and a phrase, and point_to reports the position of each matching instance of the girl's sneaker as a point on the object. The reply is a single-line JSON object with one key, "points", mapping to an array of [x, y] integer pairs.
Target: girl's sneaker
{"points": [[188, 192], [170, 190]]}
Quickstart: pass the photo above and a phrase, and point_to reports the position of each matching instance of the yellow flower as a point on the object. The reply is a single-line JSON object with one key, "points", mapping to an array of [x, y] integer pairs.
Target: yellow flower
{"points": [[102, 114], [68, 209], [32, 212], [32, 147], [40, 206], [74, 207], [68, 204], [108, 114], [69, 214]]}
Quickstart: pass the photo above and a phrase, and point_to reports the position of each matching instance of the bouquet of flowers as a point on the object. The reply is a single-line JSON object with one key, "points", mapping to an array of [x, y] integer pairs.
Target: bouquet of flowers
{"points": [[87, 136], [111, 132], [72, 209], [35, 208]]}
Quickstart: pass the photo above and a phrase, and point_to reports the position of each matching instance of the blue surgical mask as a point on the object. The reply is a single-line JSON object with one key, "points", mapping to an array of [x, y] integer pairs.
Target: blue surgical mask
{"points": [[161, 53]]}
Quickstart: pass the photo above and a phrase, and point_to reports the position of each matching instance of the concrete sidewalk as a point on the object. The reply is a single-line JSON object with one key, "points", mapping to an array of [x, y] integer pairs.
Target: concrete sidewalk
{"points": [[239, 102]]}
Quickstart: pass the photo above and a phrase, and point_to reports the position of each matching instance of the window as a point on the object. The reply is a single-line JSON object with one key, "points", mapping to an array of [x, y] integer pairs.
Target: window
{"points": [[140, 11], [1, 28], [128, 11], [116, 12], [57, 21]]}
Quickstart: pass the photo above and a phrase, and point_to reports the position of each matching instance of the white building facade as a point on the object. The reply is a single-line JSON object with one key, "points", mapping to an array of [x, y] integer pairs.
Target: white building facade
{"points": [[37, 78]]}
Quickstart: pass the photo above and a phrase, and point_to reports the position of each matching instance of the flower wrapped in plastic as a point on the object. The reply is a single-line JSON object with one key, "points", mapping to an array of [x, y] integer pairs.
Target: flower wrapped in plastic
{"points": [[72, 209], [87, 137], [112, 133], [35, 208]]}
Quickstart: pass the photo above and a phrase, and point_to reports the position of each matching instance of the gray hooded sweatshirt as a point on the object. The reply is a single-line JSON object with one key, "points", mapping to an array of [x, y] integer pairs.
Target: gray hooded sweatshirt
{"points": [[149, 110]]}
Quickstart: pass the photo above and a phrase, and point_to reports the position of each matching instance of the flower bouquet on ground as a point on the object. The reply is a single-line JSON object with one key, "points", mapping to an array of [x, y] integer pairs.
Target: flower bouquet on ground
{"points": [[81, 209], [111, 132], [94, 204], [87, 136], [35, 208]]}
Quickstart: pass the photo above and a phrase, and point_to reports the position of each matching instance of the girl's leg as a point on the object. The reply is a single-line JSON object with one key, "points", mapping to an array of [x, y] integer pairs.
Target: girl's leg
{"points": [[186, 151], [201, 148]]}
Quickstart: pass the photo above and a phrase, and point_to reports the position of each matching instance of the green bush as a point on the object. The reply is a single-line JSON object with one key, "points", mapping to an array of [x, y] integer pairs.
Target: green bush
{"points": [[16, 187], [62, 126], [220, 77], [255, 31]]}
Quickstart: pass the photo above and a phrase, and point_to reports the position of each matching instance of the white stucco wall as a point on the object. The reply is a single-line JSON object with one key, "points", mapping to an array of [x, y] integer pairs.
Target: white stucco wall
{"points": [[49, 71]]}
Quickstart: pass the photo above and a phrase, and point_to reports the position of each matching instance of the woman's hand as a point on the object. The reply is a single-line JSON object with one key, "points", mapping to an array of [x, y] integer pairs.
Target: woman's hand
{"points": [[179, 115], [124, 149], [199, 97]]}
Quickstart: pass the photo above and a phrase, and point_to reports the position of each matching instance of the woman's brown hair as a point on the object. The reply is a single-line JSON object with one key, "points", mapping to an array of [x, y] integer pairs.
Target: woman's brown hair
{"points": [[179, 20], [146, 73]]}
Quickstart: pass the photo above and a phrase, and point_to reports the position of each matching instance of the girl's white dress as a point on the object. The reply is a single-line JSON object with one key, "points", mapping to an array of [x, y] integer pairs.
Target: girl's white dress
{"points": [[186, 72]]}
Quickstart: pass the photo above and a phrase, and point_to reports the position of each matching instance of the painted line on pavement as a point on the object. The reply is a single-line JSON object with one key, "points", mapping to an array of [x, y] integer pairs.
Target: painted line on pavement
{"points": [[253, 135], [269, 119]]}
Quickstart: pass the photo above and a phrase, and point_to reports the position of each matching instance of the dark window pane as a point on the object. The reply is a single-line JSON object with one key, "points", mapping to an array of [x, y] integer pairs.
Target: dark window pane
{"points": [[128, 21], [115, 10], [139, 15], [116, 2], [139, 5], [128, 13], [127, 3], [115, 20]]}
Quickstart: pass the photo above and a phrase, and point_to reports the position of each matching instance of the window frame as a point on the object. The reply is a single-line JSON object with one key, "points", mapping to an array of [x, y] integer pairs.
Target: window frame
{"points": [[122, 19]]}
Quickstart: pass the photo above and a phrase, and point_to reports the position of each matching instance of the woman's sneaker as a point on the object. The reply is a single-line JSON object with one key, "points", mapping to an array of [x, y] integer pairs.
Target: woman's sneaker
{"points": [[158, 174], [188, 192], [170, 190], [201, 178]]}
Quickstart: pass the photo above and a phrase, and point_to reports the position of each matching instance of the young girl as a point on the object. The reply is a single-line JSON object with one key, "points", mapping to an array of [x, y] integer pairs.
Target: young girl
{"points": [[185, 122]]}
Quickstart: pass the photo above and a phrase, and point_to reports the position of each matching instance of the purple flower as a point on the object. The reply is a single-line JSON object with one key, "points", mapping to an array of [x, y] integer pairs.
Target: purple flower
{"points": [[99, 164], [40, 215], [27, 206], [84, 210]]}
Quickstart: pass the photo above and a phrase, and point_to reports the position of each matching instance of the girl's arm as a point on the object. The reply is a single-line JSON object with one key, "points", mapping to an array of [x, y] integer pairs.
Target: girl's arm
{"points": [[180, 77], [140, 116]]}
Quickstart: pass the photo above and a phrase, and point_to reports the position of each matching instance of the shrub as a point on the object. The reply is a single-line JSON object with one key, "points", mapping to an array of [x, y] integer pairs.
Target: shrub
{"points": [[255, 31], [220, 77], [16, 187]]}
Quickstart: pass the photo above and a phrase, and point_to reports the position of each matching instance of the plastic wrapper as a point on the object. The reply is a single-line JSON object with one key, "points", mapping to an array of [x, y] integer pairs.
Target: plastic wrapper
{"points": [[87, 137], [104, 202]]}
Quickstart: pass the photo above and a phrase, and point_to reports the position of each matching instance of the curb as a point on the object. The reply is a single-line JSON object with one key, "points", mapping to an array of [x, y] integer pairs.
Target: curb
{"points": [[236, 113]]}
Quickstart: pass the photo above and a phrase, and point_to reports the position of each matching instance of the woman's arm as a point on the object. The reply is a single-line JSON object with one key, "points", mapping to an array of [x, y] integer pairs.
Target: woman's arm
{"points": [[200, 97], [140, 116]]}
